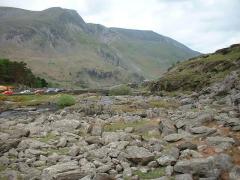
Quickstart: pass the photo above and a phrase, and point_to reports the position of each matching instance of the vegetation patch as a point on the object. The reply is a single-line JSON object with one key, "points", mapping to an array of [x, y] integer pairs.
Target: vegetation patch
{"points": [[156, 173], [199, 72], [48, 137], [120, 90], [60, 151], [16, 101], [66, 100], [164, 104], [2, 168]]}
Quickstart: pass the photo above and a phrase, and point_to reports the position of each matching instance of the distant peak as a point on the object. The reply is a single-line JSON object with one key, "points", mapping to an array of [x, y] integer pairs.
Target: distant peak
{"points": [[66, 15]]}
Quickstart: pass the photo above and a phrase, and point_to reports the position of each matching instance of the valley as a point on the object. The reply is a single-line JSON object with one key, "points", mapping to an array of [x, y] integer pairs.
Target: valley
{"points": [[59, 46], [155, 134]]}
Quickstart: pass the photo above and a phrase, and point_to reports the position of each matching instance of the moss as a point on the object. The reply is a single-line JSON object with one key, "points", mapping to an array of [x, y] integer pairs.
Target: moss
{"points": [[164, 104], [120, 90], [48, 137], [156, 173], [60, 151], [2, 168]]}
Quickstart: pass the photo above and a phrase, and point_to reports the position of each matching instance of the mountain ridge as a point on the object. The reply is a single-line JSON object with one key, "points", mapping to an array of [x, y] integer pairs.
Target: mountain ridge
{"points": [[65, 45]]}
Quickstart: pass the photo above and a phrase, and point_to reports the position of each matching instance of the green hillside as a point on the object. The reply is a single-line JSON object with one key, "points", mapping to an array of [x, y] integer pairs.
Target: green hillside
{"points": [[58, 45], [201, 71]]}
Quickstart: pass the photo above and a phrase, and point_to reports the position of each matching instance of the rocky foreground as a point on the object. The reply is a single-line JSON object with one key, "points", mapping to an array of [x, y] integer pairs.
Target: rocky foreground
{"points": [[186, 137]]}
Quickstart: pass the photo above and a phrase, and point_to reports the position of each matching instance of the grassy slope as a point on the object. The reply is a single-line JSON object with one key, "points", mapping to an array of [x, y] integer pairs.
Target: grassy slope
{"points": [[200, 72]]}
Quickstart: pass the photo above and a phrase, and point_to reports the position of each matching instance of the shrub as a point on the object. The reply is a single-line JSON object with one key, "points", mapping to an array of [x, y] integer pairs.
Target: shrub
{"points": [[66, 100], [120, 90]]}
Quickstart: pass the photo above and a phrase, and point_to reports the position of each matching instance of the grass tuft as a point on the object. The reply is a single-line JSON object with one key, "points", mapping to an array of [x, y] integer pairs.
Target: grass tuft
{"points": [[156, 173], [66, 100], [120, 90]]}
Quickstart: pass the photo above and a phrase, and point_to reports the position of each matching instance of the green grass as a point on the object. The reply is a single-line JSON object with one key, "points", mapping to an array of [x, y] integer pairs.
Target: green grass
{"points": [[66, 100], [120, 90], [48, 137], [164, 104], [199, 72], [60, 151], [2, 168], [17, 101], [156, 173]]}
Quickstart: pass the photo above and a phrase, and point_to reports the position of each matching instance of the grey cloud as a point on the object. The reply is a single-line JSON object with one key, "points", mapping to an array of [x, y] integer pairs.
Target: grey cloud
{"points": [[203, 25]]}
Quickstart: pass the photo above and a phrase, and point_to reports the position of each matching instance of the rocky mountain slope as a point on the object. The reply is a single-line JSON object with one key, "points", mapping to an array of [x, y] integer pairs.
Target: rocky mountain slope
{"points": [[58, 45], [198, 73], [187, 137]]}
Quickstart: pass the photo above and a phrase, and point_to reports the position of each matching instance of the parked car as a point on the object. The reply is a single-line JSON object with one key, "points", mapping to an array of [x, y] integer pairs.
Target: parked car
{"points": [[50, 90], [8, 93], [39, 91], [25, 92], [59, 90]]}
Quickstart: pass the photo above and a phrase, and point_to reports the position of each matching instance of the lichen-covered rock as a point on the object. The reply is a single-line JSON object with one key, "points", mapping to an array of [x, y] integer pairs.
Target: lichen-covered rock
{"points": [[139, 155]]}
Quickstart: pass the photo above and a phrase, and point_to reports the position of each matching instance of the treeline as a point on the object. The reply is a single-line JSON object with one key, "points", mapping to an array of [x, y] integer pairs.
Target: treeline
{"points": [[12, 72]]}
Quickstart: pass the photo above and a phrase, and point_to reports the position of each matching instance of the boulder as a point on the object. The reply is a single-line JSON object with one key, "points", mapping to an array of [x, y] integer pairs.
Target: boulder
{"points": [[96, 129], [169, 157], [183, 177], [65, 125], [202, 130], [32, 144], [173, 137], [18, 133], [187, 145], [205, 167], [109, 137], [204, 117], [63, 171], [94, 140], [216, 140], [235, 173], [62, 142], [7, 145], [167, 127], [188, 153], [139, 155]]}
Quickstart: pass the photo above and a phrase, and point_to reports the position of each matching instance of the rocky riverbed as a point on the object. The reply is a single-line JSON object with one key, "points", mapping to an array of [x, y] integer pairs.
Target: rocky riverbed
{"points": [[195, 136]]}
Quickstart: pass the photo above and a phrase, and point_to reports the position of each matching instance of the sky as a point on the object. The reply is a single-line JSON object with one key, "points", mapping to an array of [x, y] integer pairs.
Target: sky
{"points": [[202, 25]]}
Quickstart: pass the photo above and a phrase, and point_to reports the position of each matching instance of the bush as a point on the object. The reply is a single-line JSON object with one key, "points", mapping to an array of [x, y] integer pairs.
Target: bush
{"points": [[120, 90], [66, 100]]}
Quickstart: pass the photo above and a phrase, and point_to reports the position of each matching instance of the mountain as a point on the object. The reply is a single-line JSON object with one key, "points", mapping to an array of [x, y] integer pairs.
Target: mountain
{"points": [[201, 72], [60, 46]]}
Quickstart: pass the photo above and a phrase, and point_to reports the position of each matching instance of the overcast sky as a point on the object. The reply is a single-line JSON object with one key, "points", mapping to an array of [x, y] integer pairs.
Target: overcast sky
{"points": [[203, 25]]}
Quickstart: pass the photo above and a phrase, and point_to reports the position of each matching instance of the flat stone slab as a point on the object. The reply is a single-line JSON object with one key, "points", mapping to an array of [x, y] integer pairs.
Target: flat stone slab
{"points": [[139, 155], [173, 137]]}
